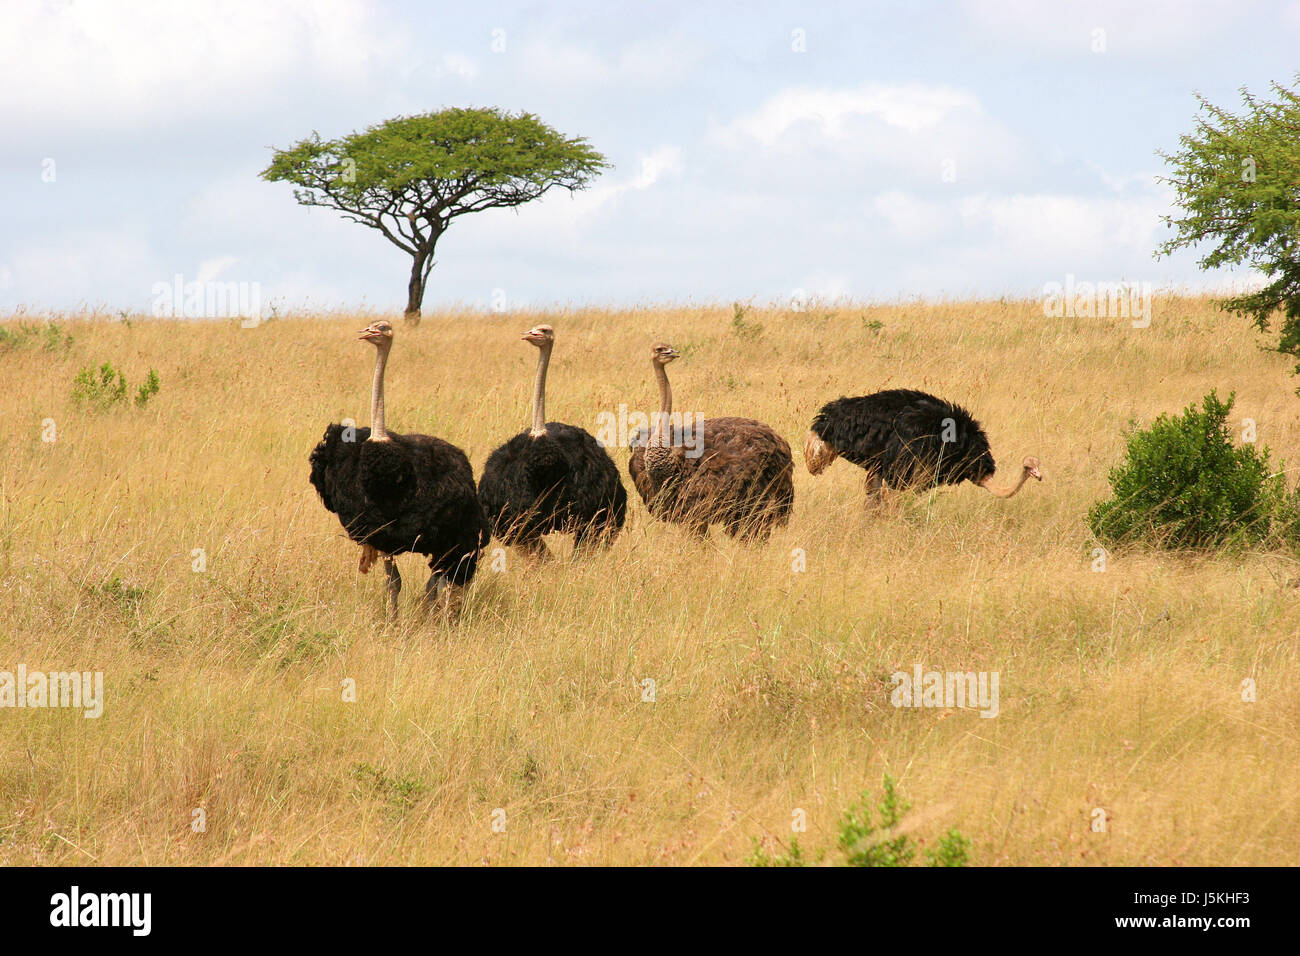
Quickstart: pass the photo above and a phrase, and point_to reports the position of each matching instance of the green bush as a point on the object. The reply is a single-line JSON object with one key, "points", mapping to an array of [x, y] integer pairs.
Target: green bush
{"points": [[105, 387], [859, 837], [748, 331], [49, 336], [1183, 484], [864, 843], [147, 390]]}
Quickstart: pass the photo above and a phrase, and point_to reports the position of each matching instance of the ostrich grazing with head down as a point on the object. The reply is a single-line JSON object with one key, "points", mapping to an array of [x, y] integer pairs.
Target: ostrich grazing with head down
{"points": [[552, 478], [741, 478], [907, 439], [400, 493]]}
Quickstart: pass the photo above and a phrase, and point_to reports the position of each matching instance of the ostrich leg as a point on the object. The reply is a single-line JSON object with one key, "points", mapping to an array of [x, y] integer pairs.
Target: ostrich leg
{"points": [[535, 548], [394, 584], [592, 536], [436, 590], [756, 528], [875, 490], [581, 539]]}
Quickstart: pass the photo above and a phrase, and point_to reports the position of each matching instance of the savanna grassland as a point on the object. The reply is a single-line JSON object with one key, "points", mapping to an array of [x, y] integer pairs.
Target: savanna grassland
{"points": [[1119, 690]]}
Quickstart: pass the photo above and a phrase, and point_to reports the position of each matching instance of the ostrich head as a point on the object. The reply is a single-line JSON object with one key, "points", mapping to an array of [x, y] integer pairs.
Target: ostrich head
{"points": [[378, 333], [1029, 470], [661, 353], [539, 335], [817, 455]]}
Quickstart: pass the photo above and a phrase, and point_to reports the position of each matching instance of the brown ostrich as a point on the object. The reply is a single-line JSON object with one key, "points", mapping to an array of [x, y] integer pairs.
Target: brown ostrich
{"points": [[735, 472]]}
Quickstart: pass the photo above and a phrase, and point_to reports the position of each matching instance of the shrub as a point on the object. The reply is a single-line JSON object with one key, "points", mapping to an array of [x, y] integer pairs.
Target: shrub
{"points": [[864, 843], [105, 387], [859, 837], [49, 336], [743, 329], [147, 390], [1183, 484], [953, 850], [102, 387]]}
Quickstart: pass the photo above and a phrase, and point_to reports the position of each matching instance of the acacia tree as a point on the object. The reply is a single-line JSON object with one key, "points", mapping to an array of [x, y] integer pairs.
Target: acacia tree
{"points": [[409, 177], [1237, 179]]}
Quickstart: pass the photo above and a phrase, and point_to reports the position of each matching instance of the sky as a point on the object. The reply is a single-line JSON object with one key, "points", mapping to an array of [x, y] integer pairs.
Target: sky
{"points": [[761, 152]]}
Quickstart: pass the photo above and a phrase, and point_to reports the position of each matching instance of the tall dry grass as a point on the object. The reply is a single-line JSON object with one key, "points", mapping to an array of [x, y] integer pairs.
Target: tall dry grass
{"points": [[1119, 690]]}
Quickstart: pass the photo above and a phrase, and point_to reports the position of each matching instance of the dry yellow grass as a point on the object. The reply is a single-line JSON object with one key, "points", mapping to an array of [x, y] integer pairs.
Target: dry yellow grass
{"points": [[1119, 690]]}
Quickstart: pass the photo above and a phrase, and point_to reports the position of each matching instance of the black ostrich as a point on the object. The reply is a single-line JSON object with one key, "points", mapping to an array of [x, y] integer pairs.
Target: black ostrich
{"points": [[551, 478], [400, 493], [736, 472], [907, 439]]}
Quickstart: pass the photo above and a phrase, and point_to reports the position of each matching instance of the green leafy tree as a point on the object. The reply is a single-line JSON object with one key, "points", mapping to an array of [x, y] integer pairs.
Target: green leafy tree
{"points": [[1237, 181], [409, 177]]}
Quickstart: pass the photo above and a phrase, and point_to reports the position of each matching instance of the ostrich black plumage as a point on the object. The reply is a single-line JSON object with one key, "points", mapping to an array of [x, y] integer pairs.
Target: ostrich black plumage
{"points": [[552, 478], [401, 493], [907, 439], [738, 472]]}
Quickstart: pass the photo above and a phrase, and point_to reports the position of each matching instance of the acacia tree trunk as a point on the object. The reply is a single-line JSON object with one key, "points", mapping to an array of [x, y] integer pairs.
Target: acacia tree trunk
{"points": [[415, 288]]}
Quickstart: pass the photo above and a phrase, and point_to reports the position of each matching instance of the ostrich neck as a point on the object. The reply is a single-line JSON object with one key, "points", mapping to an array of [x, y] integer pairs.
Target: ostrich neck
{"points": [[377, 430], [659, 464], [665, 408], [539, 392], [1004, 491]]}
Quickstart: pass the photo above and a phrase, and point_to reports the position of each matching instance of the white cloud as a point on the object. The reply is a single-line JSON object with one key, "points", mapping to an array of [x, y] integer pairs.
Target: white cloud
{"points": [[910, 218], [456, 64], [133, 64], [963, 241], [560, 209], [1051, 226], [831, 111], [210, 269], [654, 62], [912, 134], [1150, 27], [104, 264]]}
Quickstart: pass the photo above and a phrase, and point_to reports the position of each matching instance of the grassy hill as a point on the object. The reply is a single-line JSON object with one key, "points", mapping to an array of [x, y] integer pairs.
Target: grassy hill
{"points": [[1119, 690]]}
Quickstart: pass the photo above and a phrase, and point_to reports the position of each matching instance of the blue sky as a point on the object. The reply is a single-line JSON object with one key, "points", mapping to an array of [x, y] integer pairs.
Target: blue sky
{"points": [[875, 151]]}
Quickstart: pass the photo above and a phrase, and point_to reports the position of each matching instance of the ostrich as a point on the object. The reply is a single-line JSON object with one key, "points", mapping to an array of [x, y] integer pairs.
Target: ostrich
{"points": [[907, 439], [742, 477], [553, 477], [400, 493]]}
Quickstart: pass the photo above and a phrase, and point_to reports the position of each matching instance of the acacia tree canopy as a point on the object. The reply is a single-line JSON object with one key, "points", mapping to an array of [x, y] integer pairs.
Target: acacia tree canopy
{"points": [[409, 177], [1237, 181]]}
